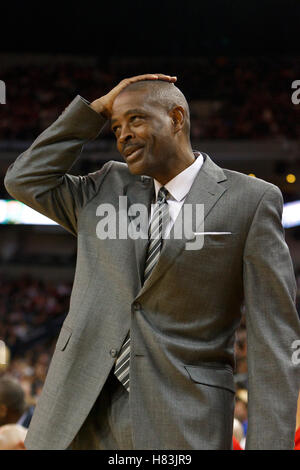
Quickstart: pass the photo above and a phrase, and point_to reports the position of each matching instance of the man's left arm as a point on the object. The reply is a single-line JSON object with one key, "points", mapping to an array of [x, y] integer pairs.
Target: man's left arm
{"points": [[272, 327]]}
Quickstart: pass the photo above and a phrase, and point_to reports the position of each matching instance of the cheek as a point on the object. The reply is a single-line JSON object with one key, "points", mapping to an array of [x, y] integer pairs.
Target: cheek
{"points": [[157, 138], [119, 146], [161, 142]]}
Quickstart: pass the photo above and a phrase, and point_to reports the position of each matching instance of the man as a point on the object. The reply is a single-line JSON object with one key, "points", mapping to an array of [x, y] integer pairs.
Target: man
{"points": [[145, 357]]}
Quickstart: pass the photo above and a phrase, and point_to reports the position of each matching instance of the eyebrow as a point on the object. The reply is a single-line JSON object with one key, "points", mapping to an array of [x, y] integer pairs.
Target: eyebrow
{"points": [[130, 111]]}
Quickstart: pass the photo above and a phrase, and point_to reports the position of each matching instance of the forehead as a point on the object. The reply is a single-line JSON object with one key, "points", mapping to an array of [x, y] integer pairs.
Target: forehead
{"points": [[132, 101]]}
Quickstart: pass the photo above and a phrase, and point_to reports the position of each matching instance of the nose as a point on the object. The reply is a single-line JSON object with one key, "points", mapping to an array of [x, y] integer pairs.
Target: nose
{"points": [[125, 135]]}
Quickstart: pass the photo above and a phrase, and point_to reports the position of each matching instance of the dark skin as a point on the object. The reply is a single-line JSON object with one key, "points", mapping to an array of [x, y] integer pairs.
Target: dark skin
{"points": [[150, 138]]}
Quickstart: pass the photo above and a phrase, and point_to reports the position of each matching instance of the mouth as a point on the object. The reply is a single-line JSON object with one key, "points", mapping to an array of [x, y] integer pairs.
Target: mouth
{"points": [[132, 154]]}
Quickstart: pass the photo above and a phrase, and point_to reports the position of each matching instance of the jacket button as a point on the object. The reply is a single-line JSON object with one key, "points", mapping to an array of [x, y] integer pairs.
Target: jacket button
{"points": [[113, 352], [136, 306]]}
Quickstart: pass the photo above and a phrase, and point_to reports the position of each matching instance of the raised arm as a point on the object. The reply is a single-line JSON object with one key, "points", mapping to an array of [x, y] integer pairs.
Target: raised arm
{"points": [[39, 177]]}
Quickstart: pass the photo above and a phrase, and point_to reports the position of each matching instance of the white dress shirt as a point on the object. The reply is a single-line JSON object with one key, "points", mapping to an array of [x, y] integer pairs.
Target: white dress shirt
{"points": [[178, 188]]}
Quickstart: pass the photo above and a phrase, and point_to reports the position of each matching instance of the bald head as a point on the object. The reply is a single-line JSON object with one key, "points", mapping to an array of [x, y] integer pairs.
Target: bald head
{"points": [[164, 94]]}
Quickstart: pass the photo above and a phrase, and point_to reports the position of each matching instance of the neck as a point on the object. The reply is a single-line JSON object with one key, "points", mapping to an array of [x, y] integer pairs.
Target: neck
{"points": [[178, 162]]}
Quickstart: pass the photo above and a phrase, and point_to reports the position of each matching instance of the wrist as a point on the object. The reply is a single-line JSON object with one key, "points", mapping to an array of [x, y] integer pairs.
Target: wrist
{"points": [[99, 107]]}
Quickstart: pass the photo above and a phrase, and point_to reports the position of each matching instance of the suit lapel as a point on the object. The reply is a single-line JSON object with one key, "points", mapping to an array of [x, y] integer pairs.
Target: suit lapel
{"points": [[205, 190]]}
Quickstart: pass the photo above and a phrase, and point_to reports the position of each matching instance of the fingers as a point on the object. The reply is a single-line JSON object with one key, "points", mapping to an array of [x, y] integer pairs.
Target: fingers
{"points": [[147, 76], [167, 78], [152, 76], [110, 97]]}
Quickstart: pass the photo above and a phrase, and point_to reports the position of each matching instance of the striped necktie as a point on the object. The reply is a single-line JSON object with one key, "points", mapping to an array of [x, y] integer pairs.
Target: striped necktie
{"points": [[157, 227]]}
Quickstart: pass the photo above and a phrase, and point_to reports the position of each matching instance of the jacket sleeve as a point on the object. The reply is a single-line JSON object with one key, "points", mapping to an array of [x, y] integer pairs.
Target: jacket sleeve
{"points": [[272, 327], [39, 176]]}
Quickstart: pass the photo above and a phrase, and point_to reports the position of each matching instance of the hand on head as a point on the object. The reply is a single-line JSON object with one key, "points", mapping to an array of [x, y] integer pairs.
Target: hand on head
{"points": [[104, 104]]}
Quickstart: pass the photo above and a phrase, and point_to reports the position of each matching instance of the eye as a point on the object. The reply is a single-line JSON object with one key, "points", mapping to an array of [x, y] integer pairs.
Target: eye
{"points": [[115, 128], [135, 118]]}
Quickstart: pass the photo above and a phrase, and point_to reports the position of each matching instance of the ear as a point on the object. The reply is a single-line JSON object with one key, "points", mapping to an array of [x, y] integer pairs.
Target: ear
{"points": [[177, 115]]}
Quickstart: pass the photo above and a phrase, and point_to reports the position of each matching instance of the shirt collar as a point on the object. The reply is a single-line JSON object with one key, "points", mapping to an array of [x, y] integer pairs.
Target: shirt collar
{"points": [[180, 185]]}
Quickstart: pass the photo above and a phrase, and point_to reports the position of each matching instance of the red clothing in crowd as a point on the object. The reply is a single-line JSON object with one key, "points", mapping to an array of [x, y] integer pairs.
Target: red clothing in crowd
{"points": [[297, 440], [235, 444]]}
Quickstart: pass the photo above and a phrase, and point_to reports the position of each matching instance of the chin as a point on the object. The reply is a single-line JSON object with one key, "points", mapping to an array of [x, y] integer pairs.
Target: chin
{"points": [[136, 169]]}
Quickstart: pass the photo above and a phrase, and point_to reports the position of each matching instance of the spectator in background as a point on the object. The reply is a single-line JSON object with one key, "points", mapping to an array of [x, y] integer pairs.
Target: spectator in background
{"points": [[13, 408], [4, 356], [238, 438], [12, 437], [241, 408]]}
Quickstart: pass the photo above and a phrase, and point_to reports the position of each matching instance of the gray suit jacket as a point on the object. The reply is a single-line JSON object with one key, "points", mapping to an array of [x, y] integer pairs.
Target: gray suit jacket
{"points": [[183, 320]]}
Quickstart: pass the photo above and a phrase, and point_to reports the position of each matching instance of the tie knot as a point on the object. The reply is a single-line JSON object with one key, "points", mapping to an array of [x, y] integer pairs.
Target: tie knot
{"points": [[163, 195]]}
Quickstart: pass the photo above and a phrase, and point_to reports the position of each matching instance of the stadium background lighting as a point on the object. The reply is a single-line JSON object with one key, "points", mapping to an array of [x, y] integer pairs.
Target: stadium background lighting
{"points": [[16, 213]]}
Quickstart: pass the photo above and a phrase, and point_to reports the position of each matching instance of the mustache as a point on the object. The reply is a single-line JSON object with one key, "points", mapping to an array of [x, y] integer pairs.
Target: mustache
{"points": [[130, 148]]}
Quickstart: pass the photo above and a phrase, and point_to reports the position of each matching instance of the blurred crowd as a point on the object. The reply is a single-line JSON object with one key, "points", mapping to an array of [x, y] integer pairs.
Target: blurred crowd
{"points": [[230, 98], [28, 308], [31, 314]]}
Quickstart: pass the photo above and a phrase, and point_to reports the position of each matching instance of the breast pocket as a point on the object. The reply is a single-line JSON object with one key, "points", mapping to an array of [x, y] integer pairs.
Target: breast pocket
{"points": [[219, 239], [205, 240]]}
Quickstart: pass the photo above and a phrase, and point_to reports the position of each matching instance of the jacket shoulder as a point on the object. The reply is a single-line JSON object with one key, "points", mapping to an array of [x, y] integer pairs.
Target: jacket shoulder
{"points": [[251, 184]]}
